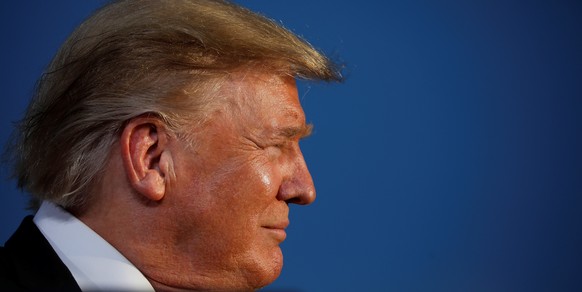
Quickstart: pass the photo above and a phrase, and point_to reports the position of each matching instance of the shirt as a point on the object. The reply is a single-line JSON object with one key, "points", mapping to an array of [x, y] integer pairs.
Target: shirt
{"points": [[94, 263]]}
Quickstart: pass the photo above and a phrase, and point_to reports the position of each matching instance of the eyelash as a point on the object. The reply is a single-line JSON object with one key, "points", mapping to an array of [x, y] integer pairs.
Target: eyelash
{"points": [[282, 145]]}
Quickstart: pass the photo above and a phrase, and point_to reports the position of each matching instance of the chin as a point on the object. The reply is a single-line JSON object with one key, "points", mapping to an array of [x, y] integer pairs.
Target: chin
{"points": [[266, 270]]}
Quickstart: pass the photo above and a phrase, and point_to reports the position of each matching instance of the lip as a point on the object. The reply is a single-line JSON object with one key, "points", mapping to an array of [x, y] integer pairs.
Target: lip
{"points": [[277, 230], [278, 225]]}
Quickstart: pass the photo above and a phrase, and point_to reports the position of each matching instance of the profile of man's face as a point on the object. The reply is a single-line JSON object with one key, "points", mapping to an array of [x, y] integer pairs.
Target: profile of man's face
{"points": [[233, 187]]}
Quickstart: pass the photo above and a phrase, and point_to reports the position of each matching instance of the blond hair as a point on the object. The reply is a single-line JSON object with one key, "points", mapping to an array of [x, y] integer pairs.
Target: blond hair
{"points": [[135, 57]]}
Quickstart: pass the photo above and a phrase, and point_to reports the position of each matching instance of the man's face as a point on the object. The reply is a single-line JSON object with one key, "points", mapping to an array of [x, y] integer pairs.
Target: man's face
{"points": [[233, 187]]}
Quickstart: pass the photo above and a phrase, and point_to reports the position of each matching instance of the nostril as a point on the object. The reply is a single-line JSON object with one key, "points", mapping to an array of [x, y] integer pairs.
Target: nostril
{"points": [[295, 200], [303, 198], [295, 194]]}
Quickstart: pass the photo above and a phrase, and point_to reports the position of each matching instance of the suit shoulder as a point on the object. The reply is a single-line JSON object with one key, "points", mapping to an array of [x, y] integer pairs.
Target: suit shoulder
{"points": [[7, 277], [28, 263]]}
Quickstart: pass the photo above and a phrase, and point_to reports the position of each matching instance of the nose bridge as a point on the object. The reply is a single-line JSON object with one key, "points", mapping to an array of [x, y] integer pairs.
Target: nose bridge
{"points": [[297, 187]]}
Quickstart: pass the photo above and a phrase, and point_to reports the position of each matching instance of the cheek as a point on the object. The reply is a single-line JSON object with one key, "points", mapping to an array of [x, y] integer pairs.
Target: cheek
{"points": [[242, 193], [267, 180]]}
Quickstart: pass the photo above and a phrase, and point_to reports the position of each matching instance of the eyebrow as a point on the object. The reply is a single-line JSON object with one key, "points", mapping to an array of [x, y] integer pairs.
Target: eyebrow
{"points": [[295, 132]]}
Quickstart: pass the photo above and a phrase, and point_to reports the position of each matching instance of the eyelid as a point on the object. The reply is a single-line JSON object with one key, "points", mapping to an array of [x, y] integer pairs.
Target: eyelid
{"points": [[277, 142], [281, 144], [296, 133]]}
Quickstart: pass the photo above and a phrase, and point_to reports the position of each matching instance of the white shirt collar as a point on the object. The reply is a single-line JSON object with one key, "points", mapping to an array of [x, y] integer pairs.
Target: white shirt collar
{"points": [[94, 263]]}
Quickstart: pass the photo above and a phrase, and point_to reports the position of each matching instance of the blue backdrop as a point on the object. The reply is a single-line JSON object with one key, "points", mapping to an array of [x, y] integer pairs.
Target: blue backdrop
{"points": [[449, 160]]}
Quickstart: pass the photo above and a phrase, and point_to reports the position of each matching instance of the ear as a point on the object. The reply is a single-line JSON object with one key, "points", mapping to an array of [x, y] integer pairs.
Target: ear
{"points": [[146, 157]]}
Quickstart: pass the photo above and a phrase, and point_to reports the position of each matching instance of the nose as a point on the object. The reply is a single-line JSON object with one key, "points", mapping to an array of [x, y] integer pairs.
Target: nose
{"points": [[297, 187]]}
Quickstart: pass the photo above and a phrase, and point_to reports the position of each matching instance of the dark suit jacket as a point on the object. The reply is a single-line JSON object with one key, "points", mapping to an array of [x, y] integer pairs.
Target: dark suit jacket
{"points": [[28, 263]]}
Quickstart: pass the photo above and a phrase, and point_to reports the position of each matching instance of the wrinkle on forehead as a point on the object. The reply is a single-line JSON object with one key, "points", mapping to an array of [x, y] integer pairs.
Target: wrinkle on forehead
{"points": [[259, 90]]}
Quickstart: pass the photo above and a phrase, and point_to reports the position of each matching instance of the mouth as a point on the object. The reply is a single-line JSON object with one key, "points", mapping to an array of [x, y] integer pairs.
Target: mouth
{"points": [[277, 230]]}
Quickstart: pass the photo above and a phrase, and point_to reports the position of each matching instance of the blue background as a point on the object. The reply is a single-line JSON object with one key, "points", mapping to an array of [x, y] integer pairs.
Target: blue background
{"points": [[449, 160]]}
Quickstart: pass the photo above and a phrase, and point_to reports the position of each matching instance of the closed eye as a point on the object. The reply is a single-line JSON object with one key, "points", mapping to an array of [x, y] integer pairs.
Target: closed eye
{"points": [[295, 133]]}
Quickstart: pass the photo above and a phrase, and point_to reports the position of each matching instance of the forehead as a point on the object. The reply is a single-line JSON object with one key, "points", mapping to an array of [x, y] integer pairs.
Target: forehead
{"points": [[268, 98]]}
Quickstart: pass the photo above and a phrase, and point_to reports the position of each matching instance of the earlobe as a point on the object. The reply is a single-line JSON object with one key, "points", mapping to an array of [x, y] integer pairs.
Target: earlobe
{"points": [[146, 158]]}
